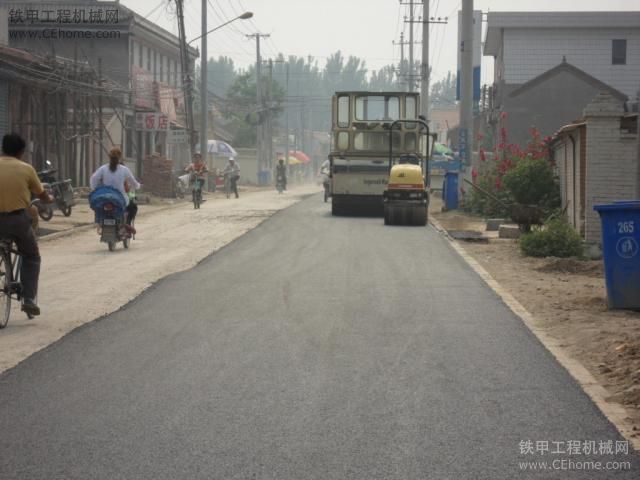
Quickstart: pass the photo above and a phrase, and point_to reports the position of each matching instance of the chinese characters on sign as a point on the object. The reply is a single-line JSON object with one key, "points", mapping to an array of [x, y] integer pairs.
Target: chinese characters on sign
{"points": [[30, 16], [574, 447], [178, 137], [463, 146], [151, 122]]}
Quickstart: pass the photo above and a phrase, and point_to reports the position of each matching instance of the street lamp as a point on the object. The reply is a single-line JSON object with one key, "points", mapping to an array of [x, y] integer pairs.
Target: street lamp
{"points": [[244, 16], [203, 72]]}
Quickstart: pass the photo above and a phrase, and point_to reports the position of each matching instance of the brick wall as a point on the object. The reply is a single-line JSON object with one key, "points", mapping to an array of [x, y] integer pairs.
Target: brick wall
{"points": [[612, 162], [158, 176]]}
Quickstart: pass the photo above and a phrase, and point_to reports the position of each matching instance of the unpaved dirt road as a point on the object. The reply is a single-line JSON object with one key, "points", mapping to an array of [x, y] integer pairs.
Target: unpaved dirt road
{"points": [[82, 281]]}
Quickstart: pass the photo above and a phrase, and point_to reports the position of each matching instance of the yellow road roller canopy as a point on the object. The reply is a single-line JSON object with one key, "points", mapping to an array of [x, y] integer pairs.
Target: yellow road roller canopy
{"points": [[406, 176]]}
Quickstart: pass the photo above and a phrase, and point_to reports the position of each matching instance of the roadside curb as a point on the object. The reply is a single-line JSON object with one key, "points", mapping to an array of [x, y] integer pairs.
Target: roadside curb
{"points": [[613, 411], [91, 226], [86, 228]]}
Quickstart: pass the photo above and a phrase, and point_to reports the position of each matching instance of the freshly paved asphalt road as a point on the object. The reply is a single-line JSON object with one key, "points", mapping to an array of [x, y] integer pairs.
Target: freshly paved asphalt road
{"points": [[311, 348]]}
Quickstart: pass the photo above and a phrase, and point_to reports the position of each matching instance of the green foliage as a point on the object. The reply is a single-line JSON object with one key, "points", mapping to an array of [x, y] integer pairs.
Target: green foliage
{"points": [[242, 110], [531, 181], [556, 239], [443, 92], [221, 74], [515, 175], [481, 204]]}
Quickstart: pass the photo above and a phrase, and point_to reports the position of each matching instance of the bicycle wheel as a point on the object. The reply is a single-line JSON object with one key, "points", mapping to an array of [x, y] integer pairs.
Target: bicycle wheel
{"points": [[6, 278], [195, 198]]}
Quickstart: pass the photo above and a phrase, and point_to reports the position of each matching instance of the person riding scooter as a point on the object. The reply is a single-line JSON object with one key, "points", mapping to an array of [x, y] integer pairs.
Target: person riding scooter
{"points": [[281, 173], [118, 176]]}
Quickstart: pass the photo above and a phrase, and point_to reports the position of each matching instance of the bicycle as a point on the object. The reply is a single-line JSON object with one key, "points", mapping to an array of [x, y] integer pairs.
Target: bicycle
{"points": [[227, 185], [196, 193], [10, 284]]}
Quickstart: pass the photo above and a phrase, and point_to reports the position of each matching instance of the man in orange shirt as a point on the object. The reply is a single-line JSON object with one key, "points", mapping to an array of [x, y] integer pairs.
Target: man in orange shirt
{"points": [[18, 180]]}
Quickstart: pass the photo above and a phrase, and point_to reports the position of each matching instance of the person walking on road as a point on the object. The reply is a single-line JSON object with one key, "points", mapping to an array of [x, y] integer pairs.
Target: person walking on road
{"points": [[233, 170], [18, 180]]}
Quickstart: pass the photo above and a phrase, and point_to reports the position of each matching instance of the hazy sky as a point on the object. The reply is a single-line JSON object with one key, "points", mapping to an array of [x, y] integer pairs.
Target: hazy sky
{"points": [[365, 28]]}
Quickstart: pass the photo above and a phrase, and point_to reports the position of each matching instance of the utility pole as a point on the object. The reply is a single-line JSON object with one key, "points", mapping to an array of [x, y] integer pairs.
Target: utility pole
{"points": [[100, 135], [303, 123], [286, 111], [466, 84], [424, 72], [401, 72], [203, 87], [186, 78], [638, 162], [270, 117], [260, 129], [411, 45]]}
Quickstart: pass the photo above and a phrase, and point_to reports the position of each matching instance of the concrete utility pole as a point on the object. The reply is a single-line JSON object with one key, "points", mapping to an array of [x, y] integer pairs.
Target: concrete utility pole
{"points": [[403, 79], [100, 135], [638, 163], [424, 72], [411, 46], [260, 129], [186, 78], [203, 87], [270, 117], [286, 121], [401, 72], [466, 83]]}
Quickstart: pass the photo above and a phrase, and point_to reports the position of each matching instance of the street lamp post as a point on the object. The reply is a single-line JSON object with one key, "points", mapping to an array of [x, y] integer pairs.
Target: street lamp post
{"points": [[203, 72]]}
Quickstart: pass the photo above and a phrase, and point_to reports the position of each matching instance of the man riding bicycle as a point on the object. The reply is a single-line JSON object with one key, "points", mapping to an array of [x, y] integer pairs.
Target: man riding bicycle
{"points": [[232, 170], [18, 180]]}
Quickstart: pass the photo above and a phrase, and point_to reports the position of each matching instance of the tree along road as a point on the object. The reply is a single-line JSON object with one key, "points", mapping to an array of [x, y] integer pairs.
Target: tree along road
{"points": [[312, 347]]}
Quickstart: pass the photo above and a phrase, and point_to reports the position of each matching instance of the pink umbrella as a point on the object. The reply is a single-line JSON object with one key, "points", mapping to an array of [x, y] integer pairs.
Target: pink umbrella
{"points": [[300, 156]]}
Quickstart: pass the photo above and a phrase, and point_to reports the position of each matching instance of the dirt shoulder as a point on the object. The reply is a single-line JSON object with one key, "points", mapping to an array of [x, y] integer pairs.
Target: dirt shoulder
{"points": [[82, 281], [567, 297]]}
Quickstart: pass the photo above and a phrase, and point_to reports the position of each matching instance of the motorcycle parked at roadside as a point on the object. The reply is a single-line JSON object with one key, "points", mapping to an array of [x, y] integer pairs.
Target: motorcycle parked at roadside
{"points": [[61, 191], [180, 183]]}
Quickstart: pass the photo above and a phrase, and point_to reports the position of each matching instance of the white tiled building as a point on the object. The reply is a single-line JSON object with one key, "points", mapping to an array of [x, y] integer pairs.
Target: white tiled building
{"points": [[605, 45]]}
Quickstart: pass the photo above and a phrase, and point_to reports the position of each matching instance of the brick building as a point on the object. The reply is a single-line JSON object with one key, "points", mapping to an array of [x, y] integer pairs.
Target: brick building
{"points": [[123, 47], [597, 162], [549, 65]]}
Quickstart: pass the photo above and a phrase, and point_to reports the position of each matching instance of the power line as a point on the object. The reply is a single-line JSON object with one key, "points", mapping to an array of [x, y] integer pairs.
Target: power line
{"points": [[270, 41]]}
